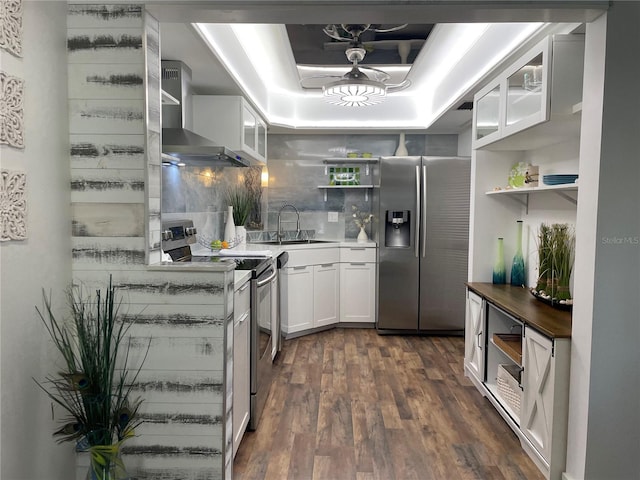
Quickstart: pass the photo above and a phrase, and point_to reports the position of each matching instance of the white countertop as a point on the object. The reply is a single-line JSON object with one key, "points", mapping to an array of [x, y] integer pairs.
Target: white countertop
{"points": [[219, 264]]}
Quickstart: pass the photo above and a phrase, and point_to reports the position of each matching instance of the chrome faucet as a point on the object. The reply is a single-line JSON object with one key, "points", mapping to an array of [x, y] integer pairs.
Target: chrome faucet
{"points": [[280, 233]]}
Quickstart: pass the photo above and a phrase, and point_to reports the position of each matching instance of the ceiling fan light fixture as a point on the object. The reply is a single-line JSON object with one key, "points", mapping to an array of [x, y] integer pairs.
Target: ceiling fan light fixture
{"points": [[354, 92]]}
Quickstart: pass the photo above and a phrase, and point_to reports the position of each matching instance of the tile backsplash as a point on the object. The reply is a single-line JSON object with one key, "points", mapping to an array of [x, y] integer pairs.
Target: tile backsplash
{"points": [[296, 169]]}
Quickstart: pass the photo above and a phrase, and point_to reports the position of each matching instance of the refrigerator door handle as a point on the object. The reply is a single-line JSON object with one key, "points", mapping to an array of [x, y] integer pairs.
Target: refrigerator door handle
{"points": [[423, 221], [416, 222]]}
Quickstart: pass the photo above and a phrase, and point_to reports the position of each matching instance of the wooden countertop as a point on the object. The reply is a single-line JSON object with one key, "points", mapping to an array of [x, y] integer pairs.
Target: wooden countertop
{"points": [[519, 302]]}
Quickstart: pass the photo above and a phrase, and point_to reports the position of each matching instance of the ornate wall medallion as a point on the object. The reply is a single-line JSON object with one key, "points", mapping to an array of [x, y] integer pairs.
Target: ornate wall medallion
{"points": [[13, 205], [11, 111], [11, 26]]}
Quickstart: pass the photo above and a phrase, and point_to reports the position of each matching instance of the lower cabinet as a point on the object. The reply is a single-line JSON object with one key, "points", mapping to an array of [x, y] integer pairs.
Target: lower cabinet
{"points": [[474, 337], [545, 390], [326, 294], [241, 363], [325, 286], [311, 297], [517, 353], [296, 307], [357, 292]]}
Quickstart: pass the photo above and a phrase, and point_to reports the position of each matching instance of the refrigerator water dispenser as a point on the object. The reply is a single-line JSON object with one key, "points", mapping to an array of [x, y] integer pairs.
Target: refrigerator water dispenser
{"points": [[397, 229]]}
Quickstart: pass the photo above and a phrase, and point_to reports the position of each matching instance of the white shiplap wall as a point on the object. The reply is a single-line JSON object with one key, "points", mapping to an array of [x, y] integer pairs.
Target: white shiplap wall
{"points": [[185, 317]]}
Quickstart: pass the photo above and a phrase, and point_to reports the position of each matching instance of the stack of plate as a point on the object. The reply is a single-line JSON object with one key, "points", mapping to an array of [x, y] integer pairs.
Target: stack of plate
{"points": [[559, 179]]}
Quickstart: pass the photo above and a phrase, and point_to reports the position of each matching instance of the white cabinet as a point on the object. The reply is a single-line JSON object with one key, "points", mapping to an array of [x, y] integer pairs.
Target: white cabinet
{"points": [[545, 397], [231, 121], [517, 353], [311, 293], [357, 285], [311, 289], [474, 337], [326, 282], [324, 286], [542, 86], [241, 363], [297, 305]]}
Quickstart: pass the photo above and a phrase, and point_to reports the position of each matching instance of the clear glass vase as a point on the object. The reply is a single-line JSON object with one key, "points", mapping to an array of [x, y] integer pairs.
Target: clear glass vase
{"points": [[106, 463]]}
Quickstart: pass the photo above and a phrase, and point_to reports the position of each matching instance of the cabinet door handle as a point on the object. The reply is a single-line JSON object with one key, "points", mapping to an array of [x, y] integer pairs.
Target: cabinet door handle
{"points": [[356, 249], [244, 287], [300, 268], [326, 265], [358, 263], [243, 317], [478, 341]]}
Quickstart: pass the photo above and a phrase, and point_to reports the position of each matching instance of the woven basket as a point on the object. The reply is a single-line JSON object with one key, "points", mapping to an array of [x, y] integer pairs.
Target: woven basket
{"points": [[508, 387]]}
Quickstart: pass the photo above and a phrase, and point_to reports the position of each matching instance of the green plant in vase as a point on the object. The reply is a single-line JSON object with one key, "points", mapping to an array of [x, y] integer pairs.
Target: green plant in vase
{"points": [[94, 385], [563, 247], [544, 257], [238, 197]]}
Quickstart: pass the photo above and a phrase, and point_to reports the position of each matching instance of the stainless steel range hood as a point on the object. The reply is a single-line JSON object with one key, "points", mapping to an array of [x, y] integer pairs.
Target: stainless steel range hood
{"points": [[178, 141]]}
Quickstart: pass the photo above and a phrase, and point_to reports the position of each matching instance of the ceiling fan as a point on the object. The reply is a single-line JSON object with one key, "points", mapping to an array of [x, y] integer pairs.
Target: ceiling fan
{"points": [[357, 88]]}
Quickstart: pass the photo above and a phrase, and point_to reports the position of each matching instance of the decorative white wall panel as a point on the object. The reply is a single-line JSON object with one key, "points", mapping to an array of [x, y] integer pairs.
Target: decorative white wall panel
{"points": [[114, 123], [11, 26], [13, 205], [11, 110], [101, 151]]}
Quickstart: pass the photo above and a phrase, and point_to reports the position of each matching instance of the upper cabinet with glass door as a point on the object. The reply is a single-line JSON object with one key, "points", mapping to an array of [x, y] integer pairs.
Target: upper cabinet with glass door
{"points": [[486, 114], [539, 89], [231, 121]]}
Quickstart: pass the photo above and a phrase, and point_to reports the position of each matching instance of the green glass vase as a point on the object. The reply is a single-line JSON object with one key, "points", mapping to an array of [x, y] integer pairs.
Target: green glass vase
{"points": [[499, 274], [517, 267]]}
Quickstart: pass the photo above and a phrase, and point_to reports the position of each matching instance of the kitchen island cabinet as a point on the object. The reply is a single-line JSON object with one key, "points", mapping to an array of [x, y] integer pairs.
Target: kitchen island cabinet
{"points": [[511, 331], [241, 361]]}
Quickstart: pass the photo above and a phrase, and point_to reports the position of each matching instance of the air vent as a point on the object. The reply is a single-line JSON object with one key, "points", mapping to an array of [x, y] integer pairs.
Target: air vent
{"points": [[466, 106], [170, 73]]}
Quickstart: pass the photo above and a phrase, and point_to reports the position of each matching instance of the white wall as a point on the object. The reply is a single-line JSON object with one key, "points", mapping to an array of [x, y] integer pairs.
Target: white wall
{"points": [[464, 142], [28, 450], [604, 421]]}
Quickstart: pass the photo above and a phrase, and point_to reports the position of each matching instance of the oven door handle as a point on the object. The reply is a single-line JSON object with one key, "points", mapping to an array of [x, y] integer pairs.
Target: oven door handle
{"points": [[262, 283]]}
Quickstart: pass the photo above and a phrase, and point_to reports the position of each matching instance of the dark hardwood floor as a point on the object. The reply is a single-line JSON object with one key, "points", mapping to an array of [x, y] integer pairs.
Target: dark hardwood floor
{"points": [[351, 404]]}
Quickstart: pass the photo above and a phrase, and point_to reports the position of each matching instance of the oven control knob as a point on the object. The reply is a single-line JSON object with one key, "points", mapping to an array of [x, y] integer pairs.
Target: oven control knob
{"points": [[167, 235], [190, 231]]}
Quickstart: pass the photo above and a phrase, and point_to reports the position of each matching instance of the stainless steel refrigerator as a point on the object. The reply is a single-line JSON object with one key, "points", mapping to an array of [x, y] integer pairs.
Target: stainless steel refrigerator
{"points": [[423, 243]]}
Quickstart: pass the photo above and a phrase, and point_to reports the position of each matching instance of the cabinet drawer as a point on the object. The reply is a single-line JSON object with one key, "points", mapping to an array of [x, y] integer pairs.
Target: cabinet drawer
{"points": [[309, 256], [357, 254], [242, 300]]}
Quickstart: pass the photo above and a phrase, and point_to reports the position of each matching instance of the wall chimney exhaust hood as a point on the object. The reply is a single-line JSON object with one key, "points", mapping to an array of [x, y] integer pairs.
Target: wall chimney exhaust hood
{"points": [[178, 141]]}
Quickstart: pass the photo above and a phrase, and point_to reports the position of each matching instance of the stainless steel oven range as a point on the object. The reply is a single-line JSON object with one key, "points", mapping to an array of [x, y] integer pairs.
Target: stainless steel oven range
{"points": [[177, 238]]}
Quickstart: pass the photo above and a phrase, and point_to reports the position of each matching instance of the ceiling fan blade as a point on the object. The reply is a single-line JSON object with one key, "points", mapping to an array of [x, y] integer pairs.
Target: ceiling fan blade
{"points": [[304, 81], [398, 86], [377, 29], [384, 74]]}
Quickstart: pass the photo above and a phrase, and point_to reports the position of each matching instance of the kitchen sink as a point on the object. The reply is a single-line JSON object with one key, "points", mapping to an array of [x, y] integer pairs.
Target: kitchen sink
{"points": [[293, 242]]}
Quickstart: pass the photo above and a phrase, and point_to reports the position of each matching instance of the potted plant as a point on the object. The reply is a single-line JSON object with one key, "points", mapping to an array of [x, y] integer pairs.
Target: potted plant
{"points": [[241, 202], [361, 219], [94, 384], [562, 256], [556, 245]]}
